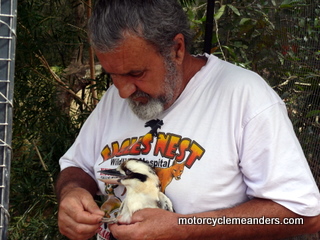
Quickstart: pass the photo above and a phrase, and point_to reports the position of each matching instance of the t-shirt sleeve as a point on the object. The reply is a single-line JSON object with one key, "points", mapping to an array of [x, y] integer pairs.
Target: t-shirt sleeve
{"points": [[273, 163]]}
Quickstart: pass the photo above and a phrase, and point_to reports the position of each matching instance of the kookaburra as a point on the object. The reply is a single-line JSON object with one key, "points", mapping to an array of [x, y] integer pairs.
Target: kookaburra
{"points": [[142, 188]]}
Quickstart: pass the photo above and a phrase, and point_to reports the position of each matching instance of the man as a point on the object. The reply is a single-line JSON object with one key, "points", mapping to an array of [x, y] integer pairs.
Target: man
{"points": [[220, 130]]}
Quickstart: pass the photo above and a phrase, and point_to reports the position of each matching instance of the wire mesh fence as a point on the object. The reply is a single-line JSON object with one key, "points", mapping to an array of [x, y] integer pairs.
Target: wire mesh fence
{"points": [[7, 47], [297, 78], [301, 89]]}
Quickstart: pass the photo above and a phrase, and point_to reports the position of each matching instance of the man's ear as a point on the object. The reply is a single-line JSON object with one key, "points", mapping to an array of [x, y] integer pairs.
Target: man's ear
{"points": [[179, 48]]}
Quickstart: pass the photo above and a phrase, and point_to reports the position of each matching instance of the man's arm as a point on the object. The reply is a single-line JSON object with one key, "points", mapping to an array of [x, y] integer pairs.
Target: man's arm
{"points": [[79, 216], [160, 224]]}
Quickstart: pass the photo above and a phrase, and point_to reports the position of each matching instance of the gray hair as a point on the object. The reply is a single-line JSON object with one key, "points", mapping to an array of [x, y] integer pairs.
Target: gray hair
{"points": [[156, 21]]}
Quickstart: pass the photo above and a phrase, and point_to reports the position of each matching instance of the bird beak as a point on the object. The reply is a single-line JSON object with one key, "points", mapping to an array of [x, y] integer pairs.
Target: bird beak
{"points": [[112, 172], [114, 181]]}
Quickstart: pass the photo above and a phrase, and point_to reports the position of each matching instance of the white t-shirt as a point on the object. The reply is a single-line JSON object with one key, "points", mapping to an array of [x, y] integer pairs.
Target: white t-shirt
{"points": [[228, 129]]}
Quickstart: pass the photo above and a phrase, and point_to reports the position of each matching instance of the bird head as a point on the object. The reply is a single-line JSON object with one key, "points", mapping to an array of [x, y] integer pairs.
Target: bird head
{"points": [[133, 173]]}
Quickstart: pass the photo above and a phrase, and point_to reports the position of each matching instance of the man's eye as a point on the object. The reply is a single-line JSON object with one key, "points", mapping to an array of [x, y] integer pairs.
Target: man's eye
{"points": [[137, 74]]}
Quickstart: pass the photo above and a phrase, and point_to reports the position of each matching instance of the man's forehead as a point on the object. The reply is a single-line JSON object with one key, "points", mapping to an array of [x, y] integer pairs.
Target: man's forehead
{"points": [[121, 65], [132, 55]]}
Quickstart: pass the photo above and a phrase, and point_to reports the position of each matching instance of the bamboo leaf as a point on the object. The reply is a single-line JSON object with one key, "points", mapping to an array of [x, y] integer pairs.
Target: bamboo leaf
{"points": [[313, 113], [234, 9], [220, 12]]}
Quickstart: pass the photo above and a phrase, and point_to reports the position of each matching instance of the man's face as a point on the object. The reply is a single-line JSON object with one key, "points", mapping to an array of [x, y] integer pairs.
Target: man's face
{"points": [[149, 82]]}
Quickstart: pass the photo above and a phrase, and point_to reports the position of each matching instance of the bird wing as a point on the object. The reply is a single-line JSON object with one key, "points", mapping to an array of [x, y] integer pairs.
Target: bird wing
{"points": [[165, 203]]}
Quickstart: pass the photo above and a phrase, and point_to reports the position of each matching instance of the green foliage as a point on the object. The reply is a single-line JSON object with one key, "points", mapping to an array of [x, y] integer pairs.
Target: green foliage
{"points": [[187, 2], [38, 124], [43, 130], [48, 27]]}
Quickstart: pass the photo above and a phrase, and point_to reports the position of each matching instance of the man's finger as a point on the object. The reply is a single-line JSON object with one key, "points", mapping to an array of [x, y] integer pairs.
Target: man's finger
{"points": [[75, 230]]}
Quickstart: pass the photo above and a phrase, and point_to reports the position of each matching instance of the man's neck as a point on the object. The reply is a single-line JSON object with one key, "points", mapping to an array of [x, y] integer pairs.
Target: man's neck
{"points": [[192, 65]]}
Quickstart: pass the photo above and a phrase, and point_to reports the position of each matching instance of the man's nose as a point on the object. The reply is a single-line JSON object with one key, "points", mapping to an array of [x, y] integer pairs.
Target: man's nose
{"points": [[125, 86]]}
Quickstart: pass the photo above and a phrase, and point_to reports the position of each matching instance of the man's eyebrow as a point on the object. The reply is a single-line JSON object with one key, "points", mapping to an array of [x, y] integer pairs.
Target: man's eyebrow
{"points": [[132, 72]]}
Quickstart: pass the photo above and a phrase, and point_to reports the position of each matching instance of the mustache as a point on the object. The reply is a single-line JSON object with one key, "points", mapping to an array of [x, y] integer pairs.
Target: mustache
{"points": [[139, 93]]}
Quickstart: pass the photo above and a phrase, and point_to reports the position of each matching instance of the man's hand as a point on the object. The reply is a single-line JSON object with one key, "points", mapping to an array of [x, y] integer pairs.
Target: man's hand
{"points": [[148, 223], [79, 216]]}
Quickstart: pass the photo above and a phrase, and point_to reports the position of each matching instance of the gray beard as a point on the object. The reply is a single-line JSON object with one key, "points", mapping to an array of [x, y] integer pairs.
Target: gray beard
{"points": [[146, 111], [155, 106]]}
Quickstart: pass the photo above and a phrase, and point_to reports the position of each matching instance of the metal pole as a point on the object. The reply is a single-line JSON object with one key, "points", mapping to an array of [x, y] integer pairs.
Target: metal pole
{"points": [[8, 19], [209, 27]]}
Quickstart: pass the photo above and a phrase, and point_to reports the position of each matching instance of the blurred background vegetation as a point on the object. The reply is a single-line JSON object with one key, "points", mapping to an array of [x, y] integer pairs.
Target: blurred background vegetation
{"points": [[57, 84]]}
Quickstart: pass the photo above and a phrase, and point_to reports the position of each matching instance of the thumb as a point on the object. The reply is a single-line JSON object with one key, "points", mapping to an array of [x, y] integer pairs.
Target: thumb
{"points": [[93, 208], [138, 216]]}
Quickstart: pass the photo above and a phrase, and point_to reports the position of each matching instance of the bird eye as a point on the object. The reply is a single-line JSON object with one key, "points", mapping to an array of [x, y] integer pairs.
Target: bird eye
{"points": [[127, 172]]}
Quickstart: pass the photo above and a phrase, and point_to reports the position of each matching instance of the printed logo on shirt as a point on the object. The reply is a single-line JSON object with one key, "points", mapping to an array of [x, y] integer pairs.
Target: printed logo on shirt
{"points": [[166, 145], [167, 153]]}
